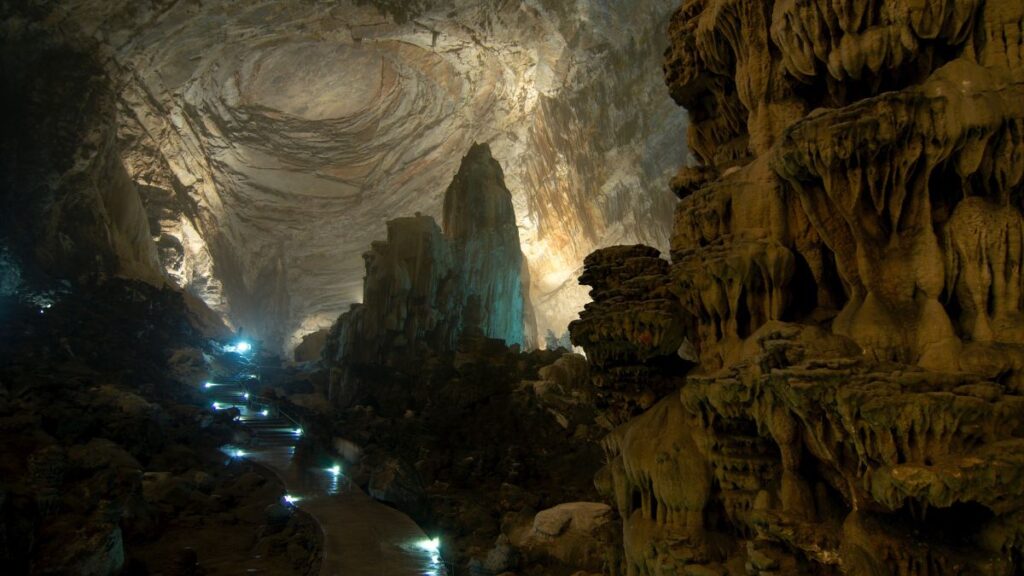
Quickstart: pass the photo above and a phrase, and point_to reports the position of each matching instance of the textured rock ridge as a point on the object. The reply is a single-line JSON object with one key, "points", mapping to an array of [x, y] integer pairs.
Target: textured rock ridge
{"points": [[632, 331], [426, 288], [845, 272]]}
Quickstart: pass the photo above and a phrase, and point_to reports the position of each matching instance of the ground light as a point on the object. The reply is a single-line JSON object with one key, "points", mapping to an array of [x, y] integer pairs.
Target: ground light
{"points": [[240, 347], [432, 545]]}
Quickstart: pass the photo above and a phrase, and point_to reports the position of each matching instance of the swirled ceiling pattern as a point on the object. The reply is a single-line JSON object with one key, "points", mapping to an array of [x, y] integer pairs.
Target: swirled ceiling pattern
{"points": [[272, 139]]}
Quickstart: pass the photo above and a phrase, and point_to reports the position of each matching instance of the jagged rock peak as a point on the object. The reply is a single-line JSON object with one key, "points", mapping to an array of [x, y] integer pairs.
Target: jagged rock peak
{"points": [[480, 221], [477, 199], [426, 289]]}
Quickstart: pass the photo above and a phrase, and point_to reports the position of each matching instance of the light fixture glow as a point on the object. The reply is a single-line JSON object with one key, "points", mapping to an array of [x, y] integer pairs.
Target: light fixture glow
{"points": [[239, 454], [243, 347], [209, 384], [297, 431], [216, 406], [432, 545], [335, 470], [290, 499], [246, 395], [265, 412]]}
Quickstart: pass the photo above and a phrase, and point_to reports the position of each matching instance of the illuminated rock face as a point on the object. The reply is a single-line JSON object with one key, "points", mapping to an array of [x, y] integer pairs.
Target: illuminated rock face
{"points": [[426, 288], [271, 139], [69, 208], [632, 330], [481, 224], [846, 261]]}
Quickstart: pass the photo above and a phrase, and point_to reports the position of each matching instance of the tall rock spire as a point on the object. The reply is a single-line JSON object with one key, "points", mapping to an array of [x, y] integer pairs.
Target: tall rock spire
{"points": [[425, 289], [481, 223]]}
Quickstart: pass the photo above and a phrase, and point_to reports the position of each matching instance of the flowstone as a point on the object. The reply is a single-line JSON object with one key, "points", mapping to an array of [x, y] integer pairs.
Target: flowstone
{"points": [[834, 384]]}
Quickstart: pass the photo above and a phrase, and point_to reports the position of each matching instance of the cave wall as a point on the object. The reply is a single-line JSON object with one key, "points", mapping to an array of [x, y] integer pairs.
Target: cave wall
{"points": [[70, 209], [271, 139], [825, 377]]}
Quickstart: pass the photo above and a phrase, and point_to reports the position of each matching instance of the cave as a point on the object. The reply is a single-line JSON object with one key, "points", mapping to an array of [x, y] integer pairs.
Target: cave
{"points": [[512, 287]]}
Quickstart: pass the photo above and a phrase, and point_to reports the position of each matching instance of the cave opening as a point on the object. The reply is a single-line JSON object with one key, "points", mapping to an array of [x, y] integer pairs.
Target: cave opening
{"points": [[803, 289], [957, 525]]}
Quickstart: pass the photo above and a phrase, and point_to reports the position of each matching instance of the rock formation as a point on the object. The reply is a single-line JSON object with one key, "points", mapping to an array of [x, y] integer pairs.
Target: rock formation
{"points": [[425, 289], [846, 274], [111, 455], [632, 330], [481, 223]]}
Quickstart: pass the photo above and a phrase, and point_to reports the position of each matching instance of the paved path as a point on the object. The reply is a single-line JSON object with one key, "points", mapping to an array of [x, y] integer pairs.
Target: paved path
{"points": [[360, 535]]}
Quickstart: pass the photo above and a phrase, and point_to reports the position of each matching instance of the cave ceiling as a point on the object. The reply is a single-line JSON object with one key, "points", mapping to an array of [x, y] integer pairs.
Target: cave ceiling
{"points": [[271, 140]]}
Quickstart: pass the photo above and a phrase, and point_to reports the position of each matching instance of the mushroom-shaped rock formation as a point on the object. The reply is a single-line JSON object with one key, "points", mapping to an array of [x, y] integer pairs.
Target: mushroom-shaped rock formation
{"points": [[633, 329], [846, 263]]}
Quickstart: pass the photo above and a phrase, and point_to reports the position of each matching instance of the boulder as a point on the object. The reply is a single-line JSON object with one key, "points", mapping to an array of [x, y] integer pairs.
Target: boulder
{"points": [[576, 534], [398, 484]]}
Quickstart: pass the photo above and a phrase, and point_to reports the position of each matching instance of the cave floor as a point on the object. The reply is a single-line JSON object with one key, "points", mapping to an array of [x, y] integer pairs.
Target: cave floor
{"points": [[360, 535]]}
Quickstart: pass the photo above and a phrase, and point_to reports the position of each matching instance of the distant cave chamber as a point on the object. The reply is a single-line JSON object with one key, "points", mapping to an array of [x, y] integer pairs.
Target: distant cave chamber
{"points": [[269, 154]]}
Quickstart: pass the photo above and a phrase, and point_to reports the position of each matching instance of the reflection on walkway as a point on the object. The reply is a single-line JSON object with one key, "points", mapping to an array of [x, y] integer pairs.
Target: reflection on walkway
{"points": [[360, 535]]}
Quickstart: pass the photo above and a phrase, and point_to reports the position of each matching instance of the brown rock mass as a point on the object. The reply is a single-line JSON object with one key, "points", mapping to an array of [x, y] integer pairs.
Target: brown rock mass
{"points": [[846, 269]]}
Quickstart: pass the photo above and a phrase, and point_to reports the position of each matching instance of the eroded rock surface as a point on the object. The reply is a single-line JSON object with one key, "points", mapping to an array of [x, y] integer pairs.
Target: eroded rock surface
{"points": [[70, 208], [845, 272]]}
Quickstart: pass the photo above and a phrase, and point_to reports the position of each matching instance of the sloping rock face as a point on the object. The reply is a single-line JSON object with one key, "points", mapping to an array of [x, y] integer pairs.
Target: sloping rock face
{"points": [[270, 138], [846, 264], [425, 289], [69, 207]]}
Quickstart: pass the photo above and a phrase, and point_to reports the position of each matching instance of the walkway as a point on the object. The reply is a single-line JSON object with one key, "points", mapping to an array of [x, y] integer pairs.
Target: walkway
{"points": [[360, 535]]}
